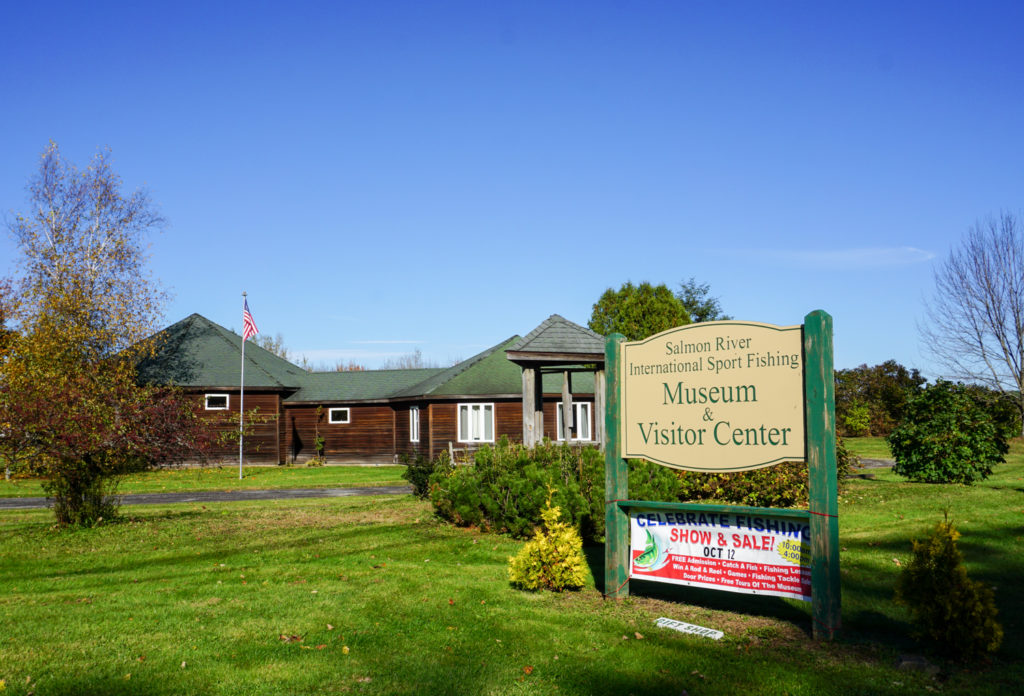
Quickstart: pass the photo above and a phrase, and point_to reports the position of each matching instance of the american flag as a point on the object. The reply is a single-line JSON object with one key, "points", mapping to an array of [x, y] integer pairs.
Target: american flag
{"points": [[248, 325]]}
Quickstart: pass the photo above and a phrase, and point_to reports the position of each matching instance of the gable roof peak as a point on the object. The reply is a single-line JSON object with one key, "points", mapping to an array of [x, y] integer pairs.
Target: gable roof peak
{"points": [[556, 334]]}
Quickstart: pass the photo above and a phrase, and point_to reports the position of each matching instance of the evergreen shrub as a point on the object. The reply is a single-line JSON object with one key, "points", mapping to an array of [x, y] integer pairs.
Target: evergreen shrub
{"points": [[418, 470], [506, 488], [782, 485], [552, 559], [947, 607], [947, 437]]}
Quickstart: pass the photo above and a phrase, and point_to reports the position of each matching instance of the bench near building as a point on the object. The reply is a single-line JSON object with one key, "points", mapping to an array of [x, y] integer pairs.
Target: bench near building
{"points": [[521, 388]]}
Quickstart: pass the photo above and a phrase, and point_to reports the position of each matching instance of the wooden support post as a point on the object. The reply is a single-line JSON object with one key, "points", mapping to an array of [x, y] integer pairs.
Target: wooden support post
{"points": [[529, 406], [567, 413], [819, 399], [538, 401], [616, 520], [599, 403]]}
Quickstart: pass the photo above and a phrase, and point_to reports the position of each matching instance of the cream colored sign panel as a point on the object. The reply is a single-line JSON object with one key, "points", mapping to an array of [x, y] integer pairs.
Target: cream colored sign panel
{"points": [[717, 396]]}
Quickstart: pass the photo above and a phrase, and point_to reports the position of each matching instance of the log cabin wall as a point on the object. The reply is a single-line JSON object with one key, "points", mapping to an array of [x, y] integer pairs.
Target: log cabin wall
{"points": [[262, 440], [442, 426], [367, 437], [403, 444]]}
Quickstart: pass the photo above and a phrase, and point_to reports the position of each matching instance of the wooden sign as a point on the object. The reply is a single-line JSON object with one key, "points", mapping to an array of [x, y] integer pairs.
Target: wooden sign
{"points": [[725, 396], [718, 396]]}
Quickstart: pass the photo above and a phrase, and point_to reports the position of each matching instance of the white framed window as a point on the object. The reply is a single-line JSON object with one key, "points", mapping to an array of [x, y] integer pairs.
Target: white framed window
{"points": [[338, 415], [217, 402], [476, 422], [414, 424], [581, 412]]}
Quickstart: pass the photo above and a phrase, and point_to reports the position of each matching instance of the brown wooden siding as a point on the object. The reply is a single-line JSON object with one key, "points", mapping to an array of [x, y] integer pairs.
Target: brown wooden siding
{"points": [[404, 446], [551, 414], [443, 424], [368, 436], [261, 441]]}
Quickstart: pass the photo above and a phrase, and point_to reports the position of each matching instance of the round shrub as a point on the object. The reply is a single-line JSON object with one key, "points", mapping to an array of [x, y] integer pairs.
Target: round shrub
{"points": [[946, 437], [552, 559]]}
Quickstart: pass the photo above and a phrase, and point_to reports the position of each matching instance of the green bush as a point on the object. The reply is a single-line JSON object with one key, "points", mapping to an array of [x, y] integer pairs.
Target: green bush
{"points": [[419, 469], [946, 437], [506, 488], [782, 485], [858, 420], [552, 559], [649, 481], [947, 607]]}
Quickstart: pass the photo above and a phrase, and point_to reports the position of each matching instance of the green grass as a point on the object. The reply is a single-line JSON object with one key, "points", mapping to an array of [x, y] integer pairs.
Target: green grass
{"points": [[870, 447], [426, 609], [225, 478]]}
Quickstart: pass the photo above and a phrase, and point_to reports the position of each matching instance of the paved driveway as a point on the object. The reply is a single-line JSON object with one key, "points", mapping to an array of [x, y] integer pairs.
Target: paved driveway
{"points": [[221, 496]]}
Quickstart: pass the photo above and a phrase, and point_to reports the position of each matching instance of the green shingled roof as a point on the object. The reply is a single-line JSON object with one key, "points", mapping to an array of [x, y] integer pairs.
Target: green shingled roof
{"points": [[489, 373], [486, 373], [321, 387], [556, 334], [195, 352]]}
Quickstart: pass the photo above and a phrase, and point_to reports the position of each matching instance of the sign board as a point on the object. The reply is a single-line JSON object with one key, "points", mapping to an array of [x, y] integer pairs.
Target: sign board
{"points": [[725, 396], [736, 552], [716, 396]]}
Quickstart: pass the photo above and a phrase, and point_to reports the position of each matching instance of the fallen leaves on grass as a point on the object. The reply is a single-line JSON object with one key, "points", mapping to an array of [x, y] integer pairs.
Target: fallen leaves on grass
{"points": [[528, 669], [285, 638]]}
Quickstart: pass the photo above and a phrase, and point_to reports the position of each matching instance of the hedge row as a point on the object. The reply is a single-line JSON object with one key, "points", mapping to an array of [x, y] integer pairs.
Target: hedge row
{"points": [[506, 488]]}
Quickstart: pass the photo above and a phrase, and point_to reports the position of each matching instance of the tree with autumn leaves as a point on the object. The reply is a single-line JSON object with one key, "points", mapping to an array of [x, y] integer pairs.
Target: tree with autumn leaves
{"points": [[75, 322]]}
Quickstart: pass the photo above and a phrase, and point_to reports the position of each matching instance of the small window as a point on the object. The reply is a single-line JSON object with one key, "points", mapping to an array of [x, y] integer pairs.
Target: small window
{"points": [[216, 402], [414, 424], [581, 427], [476, 422], [338, 415]]}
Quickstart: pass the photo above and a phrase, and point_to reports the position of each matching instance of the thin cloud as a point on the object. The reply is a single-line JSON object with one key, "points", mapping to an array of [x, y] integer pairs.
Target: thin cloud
{"points": [[386, 342], [846, 258]]}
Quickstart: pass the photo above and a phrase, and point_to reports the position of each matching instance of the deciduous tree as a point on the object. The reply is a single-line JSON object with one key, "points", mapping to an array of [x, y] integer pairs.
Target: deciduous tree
{"points": [[275, 344], [975, 323], [637, 311], [696, 297], [85, 303], [873, 398]]}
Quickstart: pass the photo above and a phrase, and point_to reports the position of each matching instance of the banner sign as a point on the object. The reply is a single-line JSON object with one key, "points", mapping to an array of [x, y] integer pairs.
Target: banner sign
{"points": [[737, 552], [714, 396]]}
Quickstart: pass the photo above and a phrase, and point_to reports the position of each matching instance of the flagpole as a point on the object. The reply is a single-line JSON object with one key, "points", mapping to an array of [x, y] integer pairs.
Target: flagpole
{"points": [[241, 397]]}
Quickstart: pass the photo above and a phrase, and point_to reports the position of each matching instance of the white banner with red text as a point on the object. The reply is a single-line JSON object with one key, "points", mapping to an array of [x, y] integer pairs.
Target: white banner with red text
{"points": [[737, 552]]}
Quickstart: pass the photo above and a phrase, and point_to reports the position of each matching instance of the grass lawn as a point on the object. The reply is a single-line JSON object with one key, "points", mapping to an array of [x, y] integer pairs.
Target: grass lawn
{"points": [[372, 595], [225, 478], [870, 447]]}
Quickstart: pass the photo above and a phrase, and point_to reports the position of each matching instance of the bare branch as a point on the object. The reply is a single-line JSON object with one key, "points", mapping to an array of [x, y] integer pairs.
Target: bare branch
{"points": [[976, 320]]}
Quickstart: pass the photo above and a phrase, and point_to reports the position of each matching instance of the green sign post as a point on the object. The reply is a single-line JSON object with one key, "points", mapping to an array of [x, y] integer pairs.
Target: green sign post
{"points": [[725, 396]]}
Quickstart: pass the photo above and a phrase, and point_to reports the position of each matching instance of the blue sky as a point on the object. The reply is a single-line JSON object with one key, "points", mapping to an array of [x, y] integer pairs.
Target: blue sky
{"points": [[390, 176]]}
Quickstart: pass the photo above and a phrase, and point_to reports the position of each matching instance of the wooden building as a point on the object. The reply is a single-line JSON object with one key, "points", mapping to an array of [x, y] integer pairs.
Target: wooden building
{"points": [[380, 415]]}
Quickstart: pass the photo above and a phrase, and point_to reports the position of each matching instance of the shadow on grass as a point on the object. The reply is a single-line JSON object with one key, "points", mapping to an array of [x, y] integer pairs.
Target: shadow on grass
{"points": [[753, 605], [110, 686]]}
